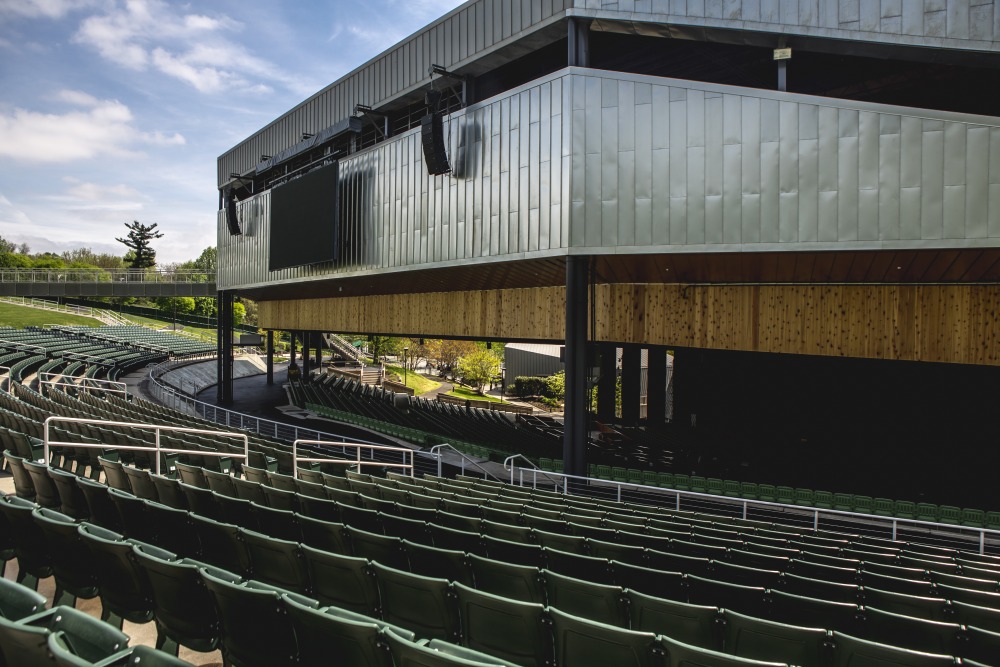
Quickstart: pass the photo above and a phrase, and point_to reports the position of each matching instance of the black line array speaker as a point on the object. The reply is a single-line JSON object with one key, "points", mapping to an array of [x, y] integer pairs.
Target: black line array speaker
{"points": [[232, 219], [432, 134]]}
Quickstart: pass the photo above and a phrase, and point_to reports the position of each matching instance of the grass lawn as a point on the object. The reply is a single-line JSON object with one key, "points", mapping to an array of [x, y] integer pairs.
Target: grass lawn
{"points": [[418, 383], [23, 316], [207, 335], [465, 392]]}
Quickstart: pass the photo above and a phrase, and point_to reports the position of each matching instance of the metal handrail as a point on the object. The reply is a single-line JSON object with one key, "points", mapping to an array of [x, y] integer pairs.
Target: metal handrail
{"points": [[157, 428], [171, 397], [358, 462], [89, 384], [508, 465], [433, 451], [15, 275], [892, 523]]}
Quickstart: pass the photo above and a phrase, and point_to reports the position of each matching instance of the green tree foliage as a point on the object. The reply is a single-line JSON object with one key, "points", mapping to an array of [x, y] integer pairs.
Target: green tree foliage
{"points": [[137, 241], [85, 258], [7, 246], [381, 346], [205, 306], [239, 313], [479, 367], [179, 305], [250, 310]]}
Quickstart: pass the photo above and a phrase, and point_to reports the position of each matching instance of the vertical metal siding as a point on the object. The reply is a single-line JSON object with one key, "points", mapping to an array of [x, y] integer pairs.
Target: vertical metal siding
{"points": [[505, 196], [752, 167]]}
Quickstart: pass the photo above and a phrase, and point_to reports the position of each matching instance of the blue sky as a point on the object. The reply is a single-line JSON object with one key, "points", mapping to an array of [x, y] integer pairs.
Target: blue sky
{"points": [[116, 110]]}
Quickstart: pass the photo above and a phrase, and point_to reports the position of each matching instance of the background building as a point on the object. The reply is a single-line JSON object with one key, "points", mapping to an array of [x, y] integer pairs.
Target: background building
{"points": [[800, 199]]}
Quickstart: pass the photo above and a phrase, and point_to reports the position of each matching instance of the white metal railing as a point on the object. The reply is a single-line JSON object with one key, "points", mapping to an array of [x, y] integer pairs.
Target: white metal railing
{"points": [[435, 451], [172, 398], [815, 518], [23, 347], [358, 461], [15, 275], [508, 464], [89, 385], [45, 304], [156, 428]]}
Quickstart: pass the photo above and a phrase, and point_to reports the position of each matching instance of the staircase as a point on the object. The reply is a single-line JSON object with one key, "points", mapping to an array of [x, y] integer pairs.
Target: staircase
{"points": [[344, 348]]}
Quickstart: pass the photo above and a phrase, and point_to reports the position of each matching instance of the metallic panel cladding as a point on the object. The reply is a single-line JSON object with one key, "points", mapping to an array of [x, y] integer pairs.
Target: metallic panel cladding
{"points": [[506, 196], [584, 161], [480, 27]]}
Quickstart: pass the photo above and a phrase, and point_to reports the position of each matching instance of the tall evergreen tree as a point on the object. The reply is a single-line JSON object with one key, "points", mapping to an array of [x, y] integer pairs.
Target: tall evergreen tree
{"points": [[137, 240]]}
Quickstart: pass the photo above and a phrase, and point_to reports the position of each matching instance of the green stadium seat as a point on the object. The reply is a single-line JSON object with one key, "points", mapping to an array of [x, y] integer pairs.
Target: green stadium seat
{"points": [[650, 478], [760, 639], [183, 608], [695, 624], [243, 613], [25, 643], [973, 517], [698, 483], [931, 608], [135, 521], [818, 588], [579, 566], [221, 545], [677, 562], [807, 497], [750, 490], [409, 653], [17, 601], [679, 654], [813, 612], [320, 635], [715, 486], [200, 501], [72, 502], [863, 504], [656, 583], [341, 580], [597, 602], [29, 541], [634, 476], [665, 480], [928, 512], [990, 599], [843, 502], [917, 634], [744, 575], [750, 600], [325, 535], [193, 475], [974, 615], [517, 582], [767, 492], [583, 642], [950, 514], [141, 483], [785, 495], [884, 507], [522, 553], [276, 562], [732, 488], [376, 547], [430, 561], [71, 560], [904, 509], [114, 475], [963, 581], [603, 472], [682, 482], [490, 623], [854, 652], [101, 510], [980, 645], [422, 604]]}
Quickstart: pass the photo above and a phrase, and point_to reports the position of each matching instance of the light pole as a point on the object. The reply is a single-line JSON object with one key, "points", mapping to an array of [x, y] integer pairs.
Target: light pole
{"points": [[503, 381], [406, 354]]}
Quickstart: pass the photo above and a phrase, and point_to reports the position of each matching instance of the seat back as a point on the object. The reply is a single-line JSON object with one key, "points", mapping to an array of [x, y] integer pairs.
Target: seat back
{"points": [[320, 635], [491, 623], [857, 652], [424, 604], [341, 580], [760, 639], [46, 494], [585, 599], [114, 475], [583, 642], [140, 482]]}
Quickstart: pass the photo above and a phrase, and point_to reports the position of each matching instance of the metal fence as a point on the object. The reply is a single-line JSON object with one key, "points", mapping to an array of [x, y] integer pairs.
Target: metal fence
{"points": [[807, 518], [8, 275]]}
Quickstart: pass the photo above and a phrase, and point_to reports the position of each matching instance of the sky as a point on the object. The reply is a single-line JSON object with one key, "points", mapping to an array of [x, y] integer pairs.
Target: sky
{"points": [[117, 110]]}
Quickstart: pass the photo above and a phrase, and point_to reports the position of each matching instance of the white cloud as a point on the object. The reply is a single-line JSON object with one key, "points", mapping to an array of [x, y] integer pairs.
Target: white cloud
{"points": [[102, 127], [51, 9], [145, 35]]}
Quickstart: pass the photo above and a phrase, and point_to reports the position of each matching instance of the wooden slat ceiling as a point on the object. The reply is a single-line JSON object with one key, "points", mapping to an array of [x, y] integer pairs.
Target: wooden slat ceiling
{"points": [[888, 266]]}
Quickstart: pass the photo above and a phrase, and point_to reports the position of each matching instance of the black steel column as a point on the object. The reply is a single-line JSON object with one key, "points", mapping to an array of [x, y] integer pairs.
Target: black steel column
{"points": [[656, 386], [575, 414], [631, 381], [270, 356], [607, 383], [319, 350], [225, 347], [305, 354], [578, 38]]}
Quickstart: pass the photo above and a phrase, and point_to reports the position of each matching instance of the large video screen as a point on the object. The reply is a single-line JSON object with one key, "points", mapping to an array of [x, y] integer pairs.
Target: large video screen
{"points": [[305, 220]]}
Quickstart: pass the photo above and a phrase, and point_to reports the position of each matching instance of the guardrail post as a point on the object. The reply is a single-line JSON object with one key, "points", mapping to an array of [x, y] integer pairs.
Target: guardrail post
{"points": [[816, 520], [744, 510], [45, 442], [893, 530], [619, 493], [157, 432], [295, 459], [982, 542]]}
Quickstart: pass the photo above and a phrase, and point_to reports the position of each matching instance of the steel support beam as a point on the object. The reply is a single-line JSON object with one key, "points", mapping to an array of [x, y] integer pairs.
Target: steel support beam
{"points": [[270, 356], [224, 334], [575, 414], [656, 385], [607, 383], [631, 383]]}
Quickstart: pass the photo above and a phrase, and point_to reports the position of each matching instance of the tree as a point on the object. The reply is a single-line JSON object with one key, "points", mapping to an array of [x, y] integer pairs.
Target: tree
{"points": [[239, 312], [479, 367], [137, 241], [383, 345], [7, 246], [448, 352]]}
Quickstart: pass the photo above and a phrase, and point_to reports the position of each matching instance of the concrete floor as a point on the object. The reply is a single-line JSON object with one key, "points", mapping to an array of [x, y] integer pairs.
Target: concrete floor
{"points": [[138, 634]]}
